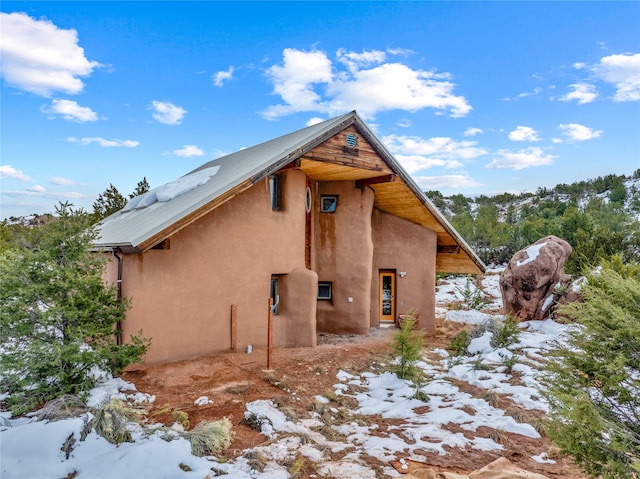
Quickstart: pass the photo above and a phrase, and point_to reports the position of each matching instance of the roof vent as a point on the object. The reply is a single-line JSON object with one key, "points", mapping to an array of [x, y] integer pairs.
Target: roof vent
{"points": [[352, 140]]}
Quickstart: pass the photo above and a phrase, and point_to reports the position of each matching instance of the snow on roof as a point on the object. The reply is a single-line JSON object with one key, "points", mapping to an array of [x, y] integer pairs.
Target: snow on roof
{"points": [[172, 189]]}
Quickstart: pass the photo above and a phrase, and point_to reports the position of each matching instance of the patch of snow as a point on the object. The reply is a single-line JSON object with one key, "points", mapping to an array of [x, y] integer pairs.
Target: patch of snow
{"points": [[548, 302], [203, 401], [532, 253], [468, 317], [542, 458], [173, 189]]}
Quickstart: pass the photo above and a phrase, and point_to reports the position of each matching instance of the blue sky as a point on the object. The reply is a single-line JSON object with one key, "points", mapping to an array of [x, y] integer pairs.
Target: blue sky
{"points": [[472, 98]]}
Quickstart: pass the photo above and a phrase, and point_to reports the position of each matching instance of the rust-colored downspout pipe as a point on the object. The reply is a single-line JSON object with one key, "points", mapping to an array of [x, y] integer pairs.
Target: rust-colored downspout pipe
{"points": [[118, 294]]}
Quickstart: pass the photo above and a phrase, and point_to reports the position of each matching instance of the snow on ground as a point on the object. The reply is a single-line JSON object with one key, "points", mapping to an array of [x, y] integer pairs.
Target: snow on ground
{"points": [[429, 415]]}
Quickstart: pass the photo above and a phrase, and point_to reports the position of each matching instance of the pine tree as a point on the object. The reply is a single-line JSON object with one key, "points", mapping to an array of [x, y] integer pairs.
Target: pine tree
{"points": [[593, 383], [58, 318], [407, 348], [141, 188], [108, 202]]}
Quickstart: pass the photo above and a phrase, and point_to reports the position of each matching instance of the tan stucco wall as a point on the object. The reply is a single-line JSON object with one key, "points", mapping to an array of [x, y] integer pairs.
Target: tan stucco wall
{"points": [[343, 253], [404, 247], [182, 297]]}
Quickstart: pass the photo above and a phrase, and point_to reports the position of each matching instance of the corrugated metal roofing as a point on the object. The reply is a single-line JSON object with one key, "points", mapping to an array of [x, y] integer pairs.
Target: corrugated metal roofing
{"points": [[137, 229]]}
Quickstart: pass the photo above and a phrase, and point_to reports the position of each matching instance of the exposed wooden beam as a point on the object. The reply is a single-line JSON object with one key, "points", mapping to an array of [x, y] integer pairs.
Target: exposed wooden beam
{"points": [[374, 180], [448, 249]]}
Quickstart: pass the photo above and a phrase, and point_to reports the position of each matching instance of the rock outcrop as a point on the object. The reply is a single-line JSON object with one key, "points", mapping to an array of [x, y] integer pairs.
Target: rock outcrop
{"points": [[534, 279]]}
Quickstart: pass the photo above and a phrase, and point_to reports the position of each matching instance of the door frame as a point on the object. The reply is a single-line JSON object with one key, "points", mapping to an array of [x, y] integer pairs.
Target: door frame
{"points": [[392, 274]]}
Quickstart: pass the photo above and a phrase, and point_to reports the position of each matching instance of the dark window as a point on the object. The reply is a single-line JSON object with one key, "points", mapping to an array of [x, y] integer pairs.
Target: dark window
{"points": [[164, 244], [274, 191], [274, 294], [325, 290], [328, 203]]}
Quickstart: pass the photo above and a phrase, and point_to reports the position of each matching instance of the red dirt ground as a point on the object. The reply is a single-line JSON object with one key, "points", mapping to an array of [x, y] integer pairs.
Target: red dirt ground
{"points": [[296, 377]]}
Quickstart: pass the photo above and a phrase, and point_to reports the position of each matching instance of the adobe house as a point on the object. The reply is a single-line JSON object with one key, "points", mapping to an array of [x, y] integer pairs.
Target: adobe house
{"points": [[323, 220]]}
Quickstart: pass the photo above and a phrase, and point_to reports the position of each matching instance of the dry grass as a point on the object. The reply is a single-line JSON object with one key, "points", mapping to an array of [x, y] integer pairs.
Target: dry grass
{"points": [[110, 421], [63, 407], [330, 433], [256, 461], [210, 437]]}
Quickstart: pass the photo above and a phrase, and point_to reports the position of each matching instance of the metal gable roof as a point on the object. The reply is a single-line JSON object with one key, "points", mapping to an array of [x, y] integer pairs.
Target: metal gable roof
{"points": [[129, 229], [168, 208]]}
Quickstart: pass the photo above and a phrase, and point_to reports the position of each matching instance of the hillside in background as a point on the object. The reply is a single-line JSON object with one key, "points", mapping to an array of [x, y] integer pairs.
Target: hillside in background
{"points": [[599, 218]]}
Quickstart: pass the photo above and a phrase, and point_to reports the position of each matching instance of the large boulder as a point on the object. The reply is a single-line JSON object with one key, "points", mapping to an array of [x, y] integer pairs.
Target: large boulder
{"points": [[534, 278]]}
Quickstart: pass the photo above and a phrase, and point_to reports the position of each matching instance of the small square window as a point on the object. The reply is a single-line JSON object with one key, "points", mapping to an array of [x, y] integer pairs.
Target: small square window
{"points": [[325, 291], [328, 203]]}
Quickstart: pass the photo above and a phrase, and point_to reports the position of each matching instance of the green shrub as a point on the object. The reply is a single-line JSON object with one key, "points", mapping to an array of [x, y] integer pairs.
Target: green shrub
{"points": [[505, 333], [593, 383], [407, 349], [458, 344], [58, 319]]}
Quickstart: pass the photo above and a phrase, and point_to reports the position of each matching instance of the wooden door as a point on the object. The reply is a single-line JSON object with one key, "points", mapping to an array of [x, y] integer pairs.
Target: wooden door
{"points": [[387, 295]]}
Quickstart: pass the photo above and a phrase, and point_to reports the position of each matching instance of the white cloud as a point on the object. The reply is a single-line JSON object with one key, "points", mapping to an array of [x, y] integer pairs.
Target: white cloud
{"points": [[521, 159], [313, 121], [103, 142], [168, 113], [623, 71], [404, 123], [413, 163], [310, 81], [356, 61], [40, 192], [188, 151], [579, 132], [220, 77], [37, 189], [445, 181], [294, 81], [524, 94], [581, 92], [415, 153], [524, 133], [59, 180], [394, 86], [8, 171], [41, 58], [71, 111], [473, 131]]}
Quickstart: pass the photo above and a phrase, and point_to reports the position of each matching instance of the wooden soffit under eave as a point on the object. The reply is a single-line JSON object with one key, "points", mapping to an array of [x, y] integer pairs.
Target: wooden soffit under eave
{"points": [[457, 263], [193, 216]]}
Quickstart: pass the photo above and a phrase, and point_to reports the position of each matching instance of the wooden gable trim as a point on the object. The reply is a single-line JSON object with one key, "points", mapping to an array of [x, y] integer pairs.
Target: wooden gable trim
{"points": [[334, 150]]}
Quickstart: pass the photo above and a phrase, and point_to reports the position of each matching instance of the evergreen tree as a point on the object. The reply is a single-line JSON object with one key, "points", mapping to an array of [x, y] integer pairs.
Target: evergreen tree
{"points": [[407, 347], [141, 188], [58, 319], [108, 202], [593, 383]]}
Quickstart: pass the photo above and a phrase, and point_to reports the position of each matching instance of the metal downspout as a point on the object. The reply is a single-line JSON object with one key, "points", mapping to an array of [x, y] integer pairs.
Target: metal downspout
{"points": [[118, 294]]}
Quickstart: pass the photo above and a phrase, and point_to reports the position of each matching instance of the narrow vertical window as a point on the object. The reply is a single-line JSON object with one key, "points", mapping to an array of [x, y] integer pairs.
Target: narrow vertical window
{"points": [[274, 294], [274, 191]]}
